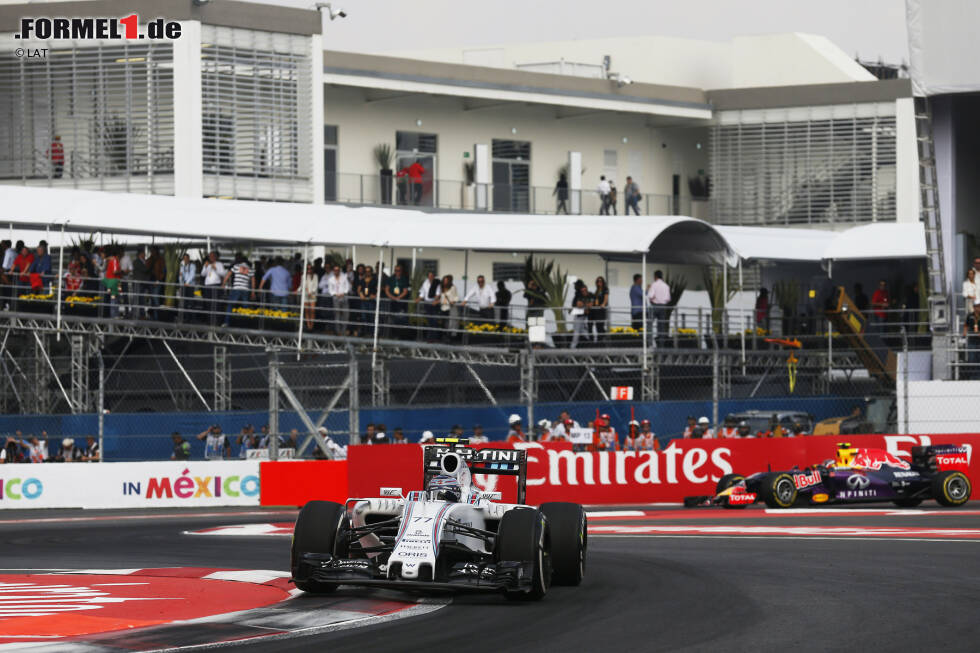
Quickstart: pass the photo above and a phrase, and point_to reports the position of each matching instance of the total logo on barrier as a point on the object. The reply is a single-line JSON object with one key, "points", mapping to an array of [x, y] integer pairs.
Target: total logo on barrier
{"points": [[186, 486], [14, 489]]}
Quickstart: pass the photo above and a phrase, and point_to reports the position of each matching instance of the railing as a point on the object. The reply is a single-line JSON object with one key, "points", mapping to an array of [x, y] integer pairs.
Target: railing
{"points": [[414, 320]]}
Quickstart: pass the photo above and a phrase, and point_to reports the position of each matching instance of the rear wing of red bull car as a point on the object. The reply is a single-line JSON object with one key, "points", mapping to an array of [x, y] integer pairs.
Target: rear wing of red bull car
{"points": [[485, 460]]}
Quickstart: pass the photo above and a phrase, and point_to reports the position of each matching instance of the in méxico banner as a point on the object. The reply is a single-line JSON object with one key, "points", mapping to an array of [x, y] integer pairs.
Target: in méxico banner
{"points": [[130, 485]]}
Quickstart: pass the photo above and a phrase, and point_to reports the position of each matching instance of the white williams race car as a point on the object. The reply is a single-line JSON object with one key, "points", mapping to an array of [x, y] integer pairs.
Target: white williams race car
{"points": [[451, 536]]}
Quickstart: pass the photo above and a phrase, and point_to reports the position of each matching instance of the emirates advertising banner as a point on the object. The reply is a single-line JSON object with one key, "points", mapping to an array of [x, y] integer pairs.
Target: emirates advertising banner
{"points": [[683, 468], [130, 485]]}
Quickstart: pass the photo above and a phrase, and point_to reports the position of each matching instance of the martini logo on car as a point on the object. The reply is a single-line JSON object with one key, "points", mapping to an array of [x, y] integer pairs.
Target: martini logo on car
{"points": [[186, 486], [15, 489]]}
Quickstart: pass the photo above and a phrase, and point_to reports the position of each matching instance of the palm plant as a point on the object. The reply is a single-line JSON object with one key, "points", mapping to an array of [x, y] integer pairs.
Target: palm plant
{"points": [[552, 286], [172, 255], [718, 295], [383, 156], [678, 284]]}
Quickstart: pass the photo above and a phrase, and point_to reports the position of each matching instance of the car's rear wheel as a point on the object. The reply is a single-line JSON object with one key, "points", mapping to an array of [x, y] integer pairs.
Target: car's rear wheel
{"points": [[907, 502], [951, 488], [779, 491], [523, 536], [315, 532], [568, 527]]}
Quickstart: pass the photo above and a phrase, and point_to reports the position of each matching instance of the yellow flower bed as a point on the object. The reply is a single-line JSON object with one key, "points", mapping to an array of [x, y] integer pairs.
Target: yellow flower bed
{"points": [[686, 332], [487, 327], [264, 312], [626, 330], [197, 293], [77, 299], [36, 297], [759, 331]]}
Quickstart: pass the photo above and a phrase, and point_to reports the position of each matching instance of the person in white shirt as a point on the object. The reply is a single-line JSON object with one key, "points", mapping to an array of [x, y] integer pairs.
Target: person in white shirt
{"points": [[704, 426], [484, 297], [659, 296], [126, 272], [478, 437], [187, 278], [430, 294], [603, 191], [561, 428], [213, 272], [970, 290], [335, 286]]}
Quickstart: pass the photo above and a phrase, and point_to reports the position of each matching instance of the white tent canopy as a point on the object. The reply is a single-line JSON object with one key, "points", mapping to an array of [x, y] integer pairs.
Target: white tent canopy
{"points": [[668, 238], [881, 240]]}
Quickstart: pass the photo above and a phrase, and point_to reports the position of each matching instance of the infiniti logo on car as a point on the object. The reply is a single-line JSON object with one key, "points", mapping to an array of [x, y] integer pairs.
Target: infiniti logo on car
{"points": [[858, 482]]}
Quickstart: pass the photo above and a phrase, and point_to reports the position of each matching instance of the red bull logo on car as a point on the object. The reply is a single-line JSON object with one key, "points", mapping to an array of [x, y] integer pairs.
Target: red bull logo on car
{"points": [[806, 480]]}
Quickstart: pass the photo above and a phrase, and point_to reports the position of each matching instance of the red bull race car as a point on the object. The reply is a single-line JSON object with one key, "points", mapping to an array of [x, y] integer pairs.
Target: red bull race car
{"points": [[856, 475], [452, 536]]}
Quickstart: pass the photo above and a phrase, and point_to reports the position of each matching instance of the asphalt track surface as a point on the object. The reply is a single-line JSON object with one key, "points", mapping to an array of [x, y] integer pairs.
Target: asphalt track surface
{"points": [[647, 593]]}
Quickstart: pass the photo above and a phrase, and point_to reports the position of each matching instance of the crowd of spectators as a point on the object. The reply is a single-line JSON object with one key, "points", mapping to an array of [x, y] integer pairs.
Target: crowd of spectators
{"points": [[35, 449]]}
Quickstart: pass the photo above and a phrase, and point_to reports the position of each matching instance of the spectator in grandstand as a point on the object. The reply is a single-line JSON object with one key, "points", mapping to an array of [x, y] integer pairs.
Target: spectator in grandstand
{"points": [[971, 330], [92, 454], [396, 292], [336, 288], [647, 439], [880, 302], [68, 453], [280, 284], [414, 173], [356, 281], [112, 280], [636, 303], [692, 424], [264, 436], [598, 311], [603, 191], [40, 270], [744, 431], [484, 297], [970, 290], [580, 312], [216, 445], [762, 309], [535, 300], [729, 429], [398, 436], [11, 451], [429, 296], [448, 300], [368, 291], [182, 448], [291, 441], [187, 278], [561, 427], [561, 194], [516, 431], [502, 304], [307, 291], [247, 440], [632, 194], [613, 198], [659, 295], [241, 280], [368, 434], [478, 437], [36, 450], [22, 266], [381, 434], [427, 437], [213, 273], [336, 451]]}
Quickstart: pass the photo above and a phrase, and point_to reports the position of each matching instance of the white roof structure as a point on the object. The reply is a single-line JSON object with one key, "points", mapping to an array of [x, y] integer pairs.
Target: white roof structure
{"points": [[668, 239]]}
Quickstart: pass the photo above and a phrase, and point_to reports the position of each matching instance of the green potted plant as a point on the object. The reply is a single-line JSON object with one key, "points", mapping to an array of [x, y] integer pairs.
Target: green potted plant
{"points": [[468, 189], [719, 296], [552, 288], [384, 156]]}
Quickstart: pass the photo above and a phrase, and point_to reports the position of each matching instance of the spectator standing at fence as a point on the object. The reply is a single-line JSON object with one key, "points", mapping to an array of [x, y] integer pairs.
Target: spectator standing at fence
{"points": [[337, 288], [580, 313], [762, 309], [112, 280], [396, 292], [692, 424], [478, 436], [484, 297], [449, 307], [632, 194], [729, 429], [356, 316], [744, 431], [280, 283], [971, 330], [599, 310], [69, 452], [92, 453], [704, 427], [603, 190], [307, 291], [213, 273], [631, 440], [247, 440], [187, 278], [561, 193], [368, 291], [22, 267], [562, 427], [182, 448], [613, 198], [535, 302], [501, 302], [429, 296], [158, 277], [516, 431], [398, 436], [970, 290], [241, 281], [428, 437], [636, 303], [880, 301], [647, 439], [659, 295], [216, 445], [40, 270], [35, 448], [141, 284]]}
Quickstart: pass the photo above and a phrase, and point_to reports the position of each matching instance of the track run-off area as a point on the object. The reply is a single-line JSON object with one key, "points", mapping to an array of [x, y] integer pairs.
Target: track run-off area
{"points": [[658, 578]]}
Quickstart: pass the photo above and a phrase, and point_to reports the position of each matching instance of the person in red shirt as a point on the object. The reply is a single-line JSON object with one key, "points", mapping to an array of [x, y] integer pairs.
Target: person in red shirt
{"points": [[21, 271], [414, 172], [516, 433], [606, 436], [111, 281], [57, 154], [879, 304], [73, 278]]}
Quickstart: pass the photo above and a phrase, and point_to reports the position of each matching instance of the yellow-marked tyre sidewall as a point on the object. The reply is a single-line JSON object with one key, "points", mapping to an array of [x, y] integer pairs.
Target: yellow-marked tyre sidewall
{"points": [[969, 489], [771, 498]]}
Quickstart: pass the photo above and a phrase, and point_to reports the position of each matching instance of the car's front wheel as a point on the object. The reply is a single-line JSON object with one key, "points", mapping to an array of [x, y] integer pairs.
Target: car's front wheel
{"points": [[779, 490], [951, 488], [523, 536], [315, 532]]}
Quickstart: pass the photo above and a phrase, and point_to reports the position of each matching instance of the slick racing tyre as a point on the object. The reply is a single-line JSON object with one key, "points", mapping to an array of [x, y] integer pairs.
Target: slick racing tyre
{"points": [[726, 482], [779, 490], [907, 502], [569, 541], [315, 532], [523, 536], [951, 489]]}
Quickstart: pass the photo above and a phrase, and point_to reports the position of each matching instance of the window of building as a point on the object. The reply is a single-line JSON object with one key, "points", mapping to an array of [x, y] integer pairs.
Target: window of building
{"points": [[508, 271], [610, 159], [426, 265], [330, 163], [511, 175], [415, 166]]}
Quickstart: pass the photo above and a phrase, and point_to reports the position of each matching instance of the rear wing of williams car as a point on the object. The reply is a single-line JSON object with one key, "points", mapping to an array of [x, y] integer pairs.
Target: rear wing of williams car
{"points": [[485, 460]]}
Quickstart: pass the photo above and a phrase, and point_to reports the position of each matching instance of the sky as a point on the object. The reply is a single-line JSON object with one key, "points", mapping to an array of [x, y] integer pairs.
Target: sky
{"points": [[869, 28]]}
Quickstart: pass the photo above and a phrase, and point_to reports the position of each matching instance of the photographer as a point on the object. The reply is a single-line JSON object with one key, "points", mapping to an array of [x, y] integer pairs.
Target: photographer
{"points": [[216, 445]]}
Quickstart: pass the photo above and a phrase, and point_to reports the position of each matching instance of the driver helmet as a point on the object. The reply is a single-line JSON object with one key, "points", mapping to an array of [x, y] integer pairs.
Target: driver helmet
{"points": [[443, 487], [845, 454]]}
